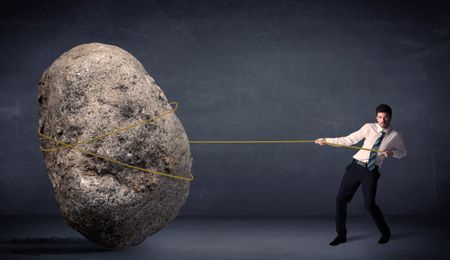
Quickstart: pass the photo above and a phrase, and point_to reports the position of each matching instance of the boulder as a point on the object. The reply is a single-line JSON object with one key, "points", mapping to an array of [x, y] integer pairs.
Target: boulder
{"points": [[95, 89]]}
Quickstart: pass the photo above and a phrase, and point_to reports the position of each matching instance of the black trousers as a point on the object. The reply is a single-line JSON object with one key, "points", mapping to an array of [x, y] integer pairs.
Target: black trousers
{"points": [[358, 175]]}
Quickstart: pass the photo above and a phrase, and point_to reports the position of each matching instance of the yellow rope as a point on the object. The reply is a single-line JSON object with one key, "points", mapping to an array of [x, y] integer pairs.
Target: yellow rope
{"points": [[278, 142], [253, 142], [354, 147], [152, 120], [96, 138]]}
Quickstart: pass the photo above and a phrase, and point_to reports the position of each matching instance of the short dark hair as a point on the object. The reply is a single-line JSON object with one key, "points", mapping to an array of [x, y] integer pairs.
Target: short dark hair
{"points": [[383, 108]]}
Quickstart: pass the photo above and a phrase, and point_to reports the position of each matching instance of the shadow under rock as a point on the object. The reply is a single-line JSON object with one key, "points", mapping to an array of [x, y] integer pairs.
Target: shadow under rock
{"points": [[49, 246]]}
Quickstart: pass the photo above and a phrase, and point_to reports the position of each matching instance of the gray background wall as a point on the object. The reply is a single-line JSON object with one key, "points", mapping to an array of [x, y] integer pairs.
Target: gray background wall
{"points": [[251, 70]]}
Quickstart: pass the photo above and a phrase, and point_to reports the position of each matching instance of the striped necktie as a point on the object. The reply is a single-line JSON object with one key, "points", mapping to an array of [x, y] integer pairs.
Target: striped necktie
{"points": [[373, 155]]}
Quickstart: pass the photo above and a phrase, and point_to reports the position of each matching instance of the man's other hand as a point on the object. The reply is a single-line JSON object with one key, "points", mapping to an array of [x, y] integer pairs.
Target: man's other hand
{"points": [[388, 154]]}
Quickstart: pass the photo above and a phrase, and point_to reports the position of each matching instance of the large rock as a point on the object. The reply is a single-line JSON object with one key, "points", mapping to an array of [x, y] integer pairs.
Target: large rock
{"points": [[94, 89]]}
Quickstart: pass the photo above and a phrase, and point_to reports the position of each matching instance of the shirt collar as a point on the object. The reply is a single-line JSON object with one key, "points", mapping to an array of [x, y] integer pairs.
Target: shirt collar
{"points": [[380, 129]]}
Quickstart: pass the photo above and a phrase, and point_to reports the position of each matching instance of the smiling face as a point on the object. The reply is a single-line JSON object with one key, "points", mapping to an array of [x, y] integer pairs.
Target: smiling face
{"points": [[383, 119]]}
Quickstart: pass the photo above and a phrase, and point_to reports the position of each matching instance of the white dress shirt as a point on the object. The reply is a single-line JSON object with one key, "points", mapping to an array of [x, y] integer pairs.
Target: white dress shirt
{"points": [[392, 141]]}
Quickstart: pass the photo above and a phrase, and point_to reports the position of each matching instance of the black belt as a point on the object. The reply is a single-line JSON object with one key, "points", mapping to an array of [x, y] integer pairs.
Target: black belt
{"points": [[363, 164]]}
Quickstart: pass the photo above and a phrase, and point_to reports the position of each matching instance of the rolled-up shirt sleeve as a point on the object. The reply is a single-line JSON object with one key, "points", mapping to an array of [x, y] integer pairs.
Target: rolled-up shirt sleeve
{"points": [[399, 150], [350, 139]]}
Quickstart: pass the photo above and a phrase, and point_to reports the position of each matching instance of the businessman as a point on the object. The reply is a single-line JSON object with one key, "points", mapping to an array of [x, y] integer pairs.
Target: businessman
{"points": [[364, 169]]}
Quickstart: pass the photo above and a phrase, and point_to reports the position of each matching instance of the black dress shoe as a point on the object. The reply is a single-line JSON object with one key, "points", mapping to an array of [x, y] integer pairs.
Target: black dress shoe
{"points": [[384, 238], [338, 240]]}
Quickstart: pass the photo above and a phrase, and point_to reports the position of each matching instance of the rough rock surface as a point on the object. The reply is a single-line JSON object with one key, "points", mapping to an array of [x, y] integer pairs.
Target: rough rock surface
{"points": [[97, 88]]}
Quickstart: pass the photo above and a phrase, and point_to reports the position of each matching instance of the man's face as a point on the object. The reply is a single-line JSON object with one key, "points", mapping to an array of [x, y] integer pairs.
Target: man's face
{"points": [[383, 119]]}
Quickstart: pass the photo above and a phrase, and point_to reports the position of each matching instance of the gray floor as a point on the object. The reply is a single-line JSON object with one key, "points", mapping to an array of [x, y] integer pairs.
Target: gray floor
{"points": [[42, 237]]}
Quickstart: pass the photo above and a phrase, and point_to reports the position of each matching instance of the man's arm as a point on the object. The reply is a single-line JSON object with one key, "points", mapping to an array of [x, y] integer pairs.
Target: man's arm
{"points": [[350, 139], [399, 150]]}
